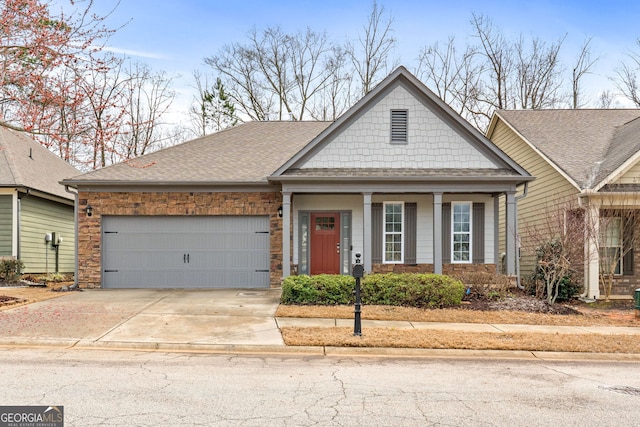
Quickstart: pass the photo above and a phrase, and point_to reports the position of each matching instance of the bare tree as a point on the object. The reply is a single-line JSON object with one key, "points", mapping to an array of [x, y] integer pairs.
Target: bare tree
{"points": [[236, 64], [104, 90], [198, 111], [538, 74], [148, 96], [499, 56], [454, 77], [626, 79], [276, 75], [582, 67], [334, 98], [370, 58], [557, 240], [606, 99]]}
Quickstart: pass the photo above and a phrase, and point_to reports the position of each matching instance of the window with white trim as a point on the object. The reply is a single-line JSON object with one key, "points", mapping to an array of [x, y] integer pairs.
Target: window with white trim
{"points": [[399, 126], [393, 232], [461, 232], [611, 245]]}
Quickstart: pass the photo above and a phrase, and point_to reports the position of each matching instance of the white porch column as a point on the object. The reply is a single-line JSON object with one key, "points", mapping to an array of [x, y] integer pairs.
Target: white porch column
{"points": [[591, 254], [437, 233], [286, 234], [510, 234], [366, 250]]}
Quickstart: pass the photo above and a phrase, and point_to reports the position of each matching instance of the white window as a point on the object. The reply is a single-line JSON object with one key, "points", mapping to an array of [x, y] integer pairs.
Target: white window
{"points": [[461, 232], [393, 232], [399, 126], [611, 245]]}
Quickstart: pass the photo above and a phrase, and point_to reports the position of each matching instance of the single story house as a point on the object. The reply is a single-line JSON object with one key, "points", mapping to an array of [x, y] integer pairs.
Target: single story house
{"points": [[400, 178], [587, 160], [36, 213]]}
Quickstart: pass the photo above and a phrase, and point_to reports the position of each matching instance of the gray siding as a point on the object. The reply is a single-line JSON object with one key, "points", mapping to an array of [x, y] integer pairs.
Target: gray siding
{"points": [[376, 233], [478, 233], [37, 218], [6, 225], [411, 232]]}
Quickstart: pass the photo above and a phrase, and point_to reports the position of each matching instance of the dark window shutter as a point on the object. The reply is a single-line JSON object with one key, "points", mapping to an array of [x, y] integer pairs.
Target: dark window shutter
{"points": [[478, 233], [399, 121], [627, 242], [376, 233], [446, 233], [410, 232]]}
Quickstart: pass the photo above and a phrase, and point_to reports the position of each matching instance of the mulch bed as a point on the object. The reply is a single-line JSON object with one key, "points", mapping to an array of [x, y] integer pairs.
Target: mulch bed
{"points": [[526, 303]]}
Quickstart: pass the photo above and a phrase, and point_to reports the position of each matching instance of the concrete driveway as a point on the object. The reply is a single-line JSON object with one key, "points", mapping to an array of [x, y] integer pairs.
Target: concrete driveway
{"points": [[147, 318]]}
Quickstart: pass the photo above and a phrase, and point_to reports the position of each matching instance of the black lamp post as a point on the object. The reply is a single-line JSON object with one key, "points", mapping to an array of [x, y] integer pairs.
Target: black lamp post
{"points": [[358, 273]]}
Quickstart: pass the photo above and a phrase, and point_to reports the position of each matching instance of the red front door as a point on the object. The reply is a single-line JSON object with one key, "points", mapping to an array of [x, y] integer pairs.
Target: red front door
{"points": [[325, 243]]}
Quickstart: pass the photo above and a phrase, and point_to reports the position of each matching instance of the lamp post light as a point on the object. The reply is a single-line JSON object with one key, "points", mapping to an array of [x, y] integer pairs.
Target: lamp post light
{"points": [[358, 273]]}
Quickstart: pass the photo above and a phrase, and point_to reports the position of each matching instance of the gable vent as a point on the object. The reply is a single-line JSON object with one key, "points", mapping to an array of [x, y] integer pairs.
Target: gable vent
{"points": [[399, 120]]}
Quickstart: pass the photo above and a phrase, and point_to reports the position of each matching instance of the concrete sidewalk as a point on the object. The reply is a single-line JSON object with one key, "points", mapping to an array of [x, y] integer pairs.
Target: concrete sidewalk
{"points": [[223, 321]]}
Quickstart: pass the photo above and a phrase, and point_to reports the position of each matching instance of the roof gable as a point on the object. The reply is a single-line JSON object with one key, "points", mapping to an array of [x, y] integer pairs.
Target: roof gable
{"points": [[588, 147], [438, 138], [26, 163]]}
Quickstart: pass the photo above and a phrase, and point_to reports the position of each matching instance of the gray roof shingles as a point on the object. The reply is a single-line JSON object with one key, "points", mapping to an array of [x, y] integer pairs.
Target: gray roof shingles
{"points": [[247, 153], [587, 145], [26, 163]]}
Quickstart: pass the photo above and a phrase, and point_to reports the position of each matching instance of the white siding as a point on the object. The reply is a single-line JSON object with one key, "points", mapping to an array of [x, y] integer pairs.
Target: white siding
{"points": [[366, 142], [424, 240]]}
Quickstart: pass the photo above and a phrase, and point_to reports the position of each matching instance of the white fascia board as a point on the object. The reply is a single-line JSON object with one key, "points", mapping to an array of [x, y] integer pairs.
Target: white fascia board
{"points": [[619, 172]]}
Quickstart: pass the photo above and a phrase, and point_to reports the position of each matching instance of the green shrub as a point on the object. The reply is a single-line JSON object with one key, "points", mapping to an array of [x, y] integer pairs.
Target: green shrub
{"points": [[323, 289], [10, 269], [413, 290]]}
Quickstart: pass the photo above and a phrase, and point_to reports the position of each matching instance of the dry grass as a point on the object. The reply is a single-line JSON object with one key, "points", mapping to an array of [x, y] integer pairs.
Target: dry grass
{"points": [[444, 339], [588, 317], [26, 295], [435, 339]]}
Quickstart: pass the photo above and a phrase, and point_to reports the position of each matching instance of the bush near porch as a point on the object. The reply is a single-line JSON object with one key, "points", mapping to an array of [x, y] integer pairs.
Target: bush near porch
{"points": [[407, 289]]}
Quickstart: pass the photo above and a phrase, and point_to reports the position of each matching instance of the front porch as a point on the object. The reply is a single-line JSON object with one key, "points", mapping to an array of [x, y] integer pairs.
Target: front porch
{"points": [[395, 231], [612, 245]]}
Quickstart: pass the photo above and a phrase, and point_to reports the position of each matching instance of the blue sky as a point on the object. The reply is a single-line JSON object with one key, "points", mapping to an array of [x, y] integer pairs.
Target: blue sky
{"points": [[175, 36]]}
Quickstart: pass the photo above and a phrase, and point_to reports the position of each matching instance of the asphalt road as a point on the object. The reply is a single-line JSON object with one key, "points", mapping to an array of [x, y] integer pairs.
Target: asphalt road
{"points": [[127, 388]]}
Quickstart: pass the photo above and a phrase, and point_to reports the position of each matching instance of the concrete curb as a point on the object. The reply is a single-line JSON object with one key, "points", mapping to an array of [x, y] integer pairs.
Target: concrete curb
{"points": [[235, 349]]}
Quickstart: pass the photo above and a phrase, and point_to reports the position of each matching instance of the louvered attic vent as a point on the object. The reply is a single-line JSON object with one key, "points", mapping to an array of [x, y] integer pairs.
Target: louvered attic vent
{"points": [[399, 119]]}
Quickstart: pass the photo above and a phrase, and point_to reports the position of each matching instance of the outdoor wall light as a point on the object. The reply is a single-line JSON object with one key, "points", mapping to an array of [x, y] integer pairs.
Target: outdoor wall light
{"points": [[280, 211], [89, 210]]}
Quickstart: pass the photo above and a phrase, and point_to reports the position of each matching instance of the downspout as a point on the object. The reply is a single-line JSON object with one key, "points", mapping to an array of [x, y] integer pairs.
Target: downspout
{"points": [[517, 198], [19, 222], [75, 224]]}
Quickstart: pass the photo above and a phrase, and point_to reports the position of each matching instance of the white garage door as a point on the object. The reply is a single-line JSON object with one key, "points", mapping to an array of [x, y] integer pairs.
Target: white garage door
{"points": [[185, 252]]}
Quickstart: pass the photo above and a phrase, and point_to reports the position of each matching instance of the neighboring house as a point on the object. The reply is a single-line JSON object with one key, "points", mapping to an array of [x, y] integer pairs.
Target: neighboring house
{"points": [[399, 177], [584, 159], [34, 206]]}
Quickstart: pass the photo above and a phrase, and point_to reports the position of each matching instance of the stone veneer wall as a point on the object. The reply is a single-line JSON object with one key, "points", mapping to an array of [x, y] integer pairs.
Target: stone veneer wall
{"points": [[172, 204]]}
